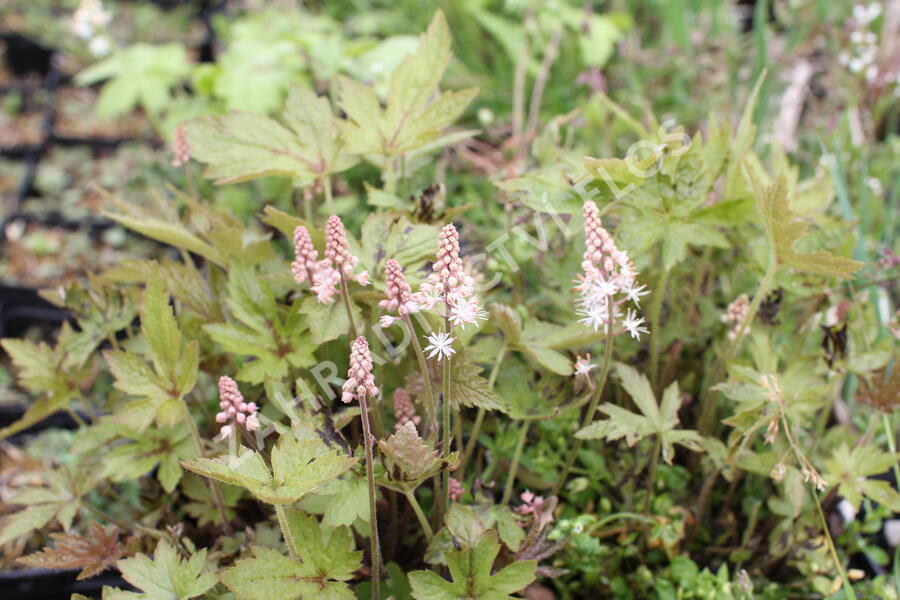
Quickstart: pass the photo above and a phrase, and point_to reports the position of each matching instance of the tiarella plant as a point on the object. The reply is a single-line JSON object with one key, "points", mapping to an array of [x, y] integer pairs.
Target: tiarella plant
{"points": [[506, 404]]}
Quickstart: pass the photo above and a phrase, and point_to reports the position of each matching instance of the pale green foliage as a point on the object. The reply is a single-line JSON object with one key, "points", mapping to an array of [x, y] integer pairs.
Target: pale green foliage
{"points": [[139, 75], [52, 373], [60, 499], [244, 145], [849, 468], [298, 468], [408, 459], [412, 117], [173, 370], [142, 451], [470, 571], [164, 577], [659, 420], [327, 560], [469, 388], [261, 328], [784, 229]]}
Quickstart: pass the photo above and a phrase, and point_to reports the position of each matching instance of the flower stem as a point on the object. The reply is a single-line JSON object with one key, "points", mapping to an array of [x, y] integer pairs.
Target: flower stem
{"points": [[431, 417], [373, 521], [592, 408], [708, 397], [213, 485], [479, 418], [445, 432], [423, 520], [514, 467], [655, 309], [345, 295], [848, 589], [892, 445], [289, 540]]}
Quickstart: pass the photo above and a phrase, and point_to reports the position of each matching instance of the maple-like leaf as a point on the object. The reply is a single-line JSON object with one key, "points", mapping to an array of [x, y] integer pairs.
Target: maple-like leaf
{"points": [[408, 459], [327, 559], [93, 553], [470, 568], [660, 420], [784, 229], [413, 116], [166, 576]]}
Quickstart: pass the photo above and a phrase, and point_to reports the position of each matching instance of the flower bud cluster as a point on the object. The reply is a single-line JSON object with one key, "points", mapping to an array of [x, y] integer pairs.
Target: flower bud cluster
{"points": [[360, 380], [325, 275], [234, 409]]}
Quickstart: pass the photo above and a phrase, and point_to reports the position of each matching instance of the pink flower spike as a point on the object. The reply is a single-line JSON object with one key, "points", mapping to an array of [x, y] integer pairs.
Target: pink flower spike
{"points": [[234, 409], [306, 257], [336, 248], [360, 380], [182, 149], [404, 410], [398, 293]]}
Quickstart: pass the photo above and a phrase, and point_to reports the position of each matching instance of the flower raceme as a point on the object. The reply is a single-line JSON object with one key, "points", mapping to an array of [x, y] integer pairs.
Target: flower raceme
{"points": [[449, 283], [325, 275], [608, 280], [399, 296], [360, 380], [234, 409]]}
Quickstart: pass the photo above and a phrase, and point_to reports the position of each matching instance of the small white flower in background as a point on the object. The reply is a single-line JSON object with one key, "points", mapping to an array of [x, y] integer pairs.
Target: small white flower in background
{"points": [[633, 324], [583, 365], [441, 345]]}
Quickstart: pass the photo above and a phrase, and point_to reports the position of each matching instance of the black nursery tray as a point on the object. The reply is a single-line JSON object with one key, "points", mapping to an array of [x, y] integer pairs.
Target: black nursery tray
{"points": [[33, 584]]}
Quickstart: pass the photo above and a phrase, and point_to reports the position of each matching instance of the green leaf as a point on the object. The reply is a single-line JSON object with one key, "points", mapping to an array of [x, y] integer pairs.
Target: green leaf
{"points": [[20, 523], [168, 232], [470, 570], [166, 576], [784, 229], [409, 460], [142, 451], [243, 145], [413, 115], [469, 388], [327, 561], [849, 468], [299, 467], [140, 74], [659, 420]]}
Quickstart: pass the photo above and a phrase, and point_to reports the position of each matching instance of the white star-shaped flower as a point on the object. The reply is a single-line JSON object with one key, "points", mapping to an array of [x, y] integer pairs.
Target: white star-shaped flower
{"points": [[634, 292], [633, 324], [441, 345]]}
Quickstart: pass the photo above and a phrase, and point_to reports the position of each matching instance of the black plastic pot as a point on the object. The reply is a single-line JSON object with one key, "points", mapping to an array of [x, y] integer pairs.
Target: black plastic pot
{"points": [[41, 584]]}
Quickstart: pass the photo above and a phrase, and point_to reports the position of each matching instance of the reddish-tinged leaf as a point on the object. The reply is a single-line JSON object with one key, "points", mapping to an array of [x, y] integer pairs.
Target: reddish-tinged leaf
{"points": [[92, 554]]}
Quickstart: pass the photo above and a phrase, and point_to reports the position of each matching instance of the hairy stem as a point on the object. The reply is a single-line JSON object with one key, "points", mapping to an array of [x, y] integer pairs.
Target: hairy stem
{"points": [[375, 549], [479, 418], [430, 417], [423, 520], [655, 312], [514, 466], [289, 540], [445, 432], [707, 396], [213, 485], [592, 407], [345, 296]]}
